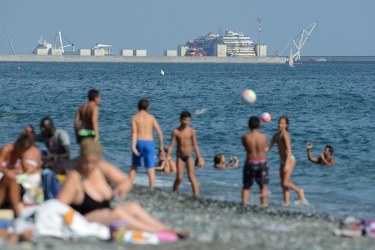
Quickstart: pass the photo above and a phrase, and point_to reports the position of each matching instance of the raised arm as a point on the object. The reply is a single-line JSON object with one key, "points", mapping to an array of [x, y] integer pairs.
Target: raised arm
{"points": [[309, 155], [160, 134], [95, 122], [233, 160]]}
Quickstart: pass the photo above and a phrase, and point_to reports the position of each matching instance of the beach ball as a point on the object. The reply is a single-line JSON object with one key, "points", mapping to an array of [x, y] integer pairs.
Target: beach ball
{"points": [[265, 117], [248, 97]]}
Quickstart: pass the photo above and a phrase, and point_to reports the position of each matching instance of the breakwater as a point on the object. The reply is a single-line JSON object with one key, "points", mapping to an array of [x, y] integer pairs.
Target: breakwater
{"points": [[141, 59]]}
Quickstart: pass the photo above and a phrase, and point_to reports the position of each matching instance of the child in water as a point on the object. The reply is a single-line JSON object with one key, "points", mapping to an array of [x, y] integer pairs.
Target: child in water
{"points": [[219, 161], [167, 165], [287, 160]]}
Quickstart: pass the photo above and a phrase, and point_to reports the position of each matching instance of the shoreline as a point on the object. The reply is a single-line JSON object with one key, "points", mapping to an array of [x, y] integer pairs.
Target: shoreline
{"points": [[223, 225], [141, 59]]}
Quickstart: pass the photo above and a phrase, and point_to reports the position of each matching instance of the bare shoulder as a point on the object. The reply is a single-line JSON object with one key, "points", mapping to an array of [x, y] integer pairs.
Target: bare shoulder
{"points": [[106, 165], [73, 175], [33, 150], [7, 148], [264, 135], [192, 131]]}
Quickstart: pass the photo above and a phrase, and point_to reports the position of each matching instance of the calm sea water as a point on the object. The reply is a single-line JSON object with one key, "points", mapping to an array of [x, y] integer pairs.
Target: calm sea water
{"points": [[326, 104]]}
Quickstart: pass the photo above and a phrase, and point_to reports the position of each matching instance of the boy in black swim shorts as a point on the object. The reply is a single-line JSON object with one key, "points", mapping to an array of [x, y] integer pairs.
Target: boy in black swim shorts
{"points": [[255, 167]]}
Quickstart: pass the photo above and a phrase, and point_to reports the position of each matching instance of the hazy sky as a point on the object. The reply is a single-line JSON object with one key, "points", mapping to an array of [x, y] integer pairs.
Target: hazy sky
{"points": [[345, 27]]}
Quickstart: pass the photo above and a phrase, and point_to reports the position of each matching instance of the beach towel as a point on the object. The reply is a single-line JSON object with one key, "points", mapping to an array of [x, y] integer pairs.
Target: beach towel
{"points": [[55, 219], [140, 237], [354, 227]]}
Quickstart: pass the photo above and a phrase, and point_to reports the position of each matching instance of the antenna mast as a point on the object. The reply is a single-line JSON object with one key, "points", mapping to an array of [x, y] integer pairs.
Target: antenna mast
{"points": [[10, 42], [259, 29]]}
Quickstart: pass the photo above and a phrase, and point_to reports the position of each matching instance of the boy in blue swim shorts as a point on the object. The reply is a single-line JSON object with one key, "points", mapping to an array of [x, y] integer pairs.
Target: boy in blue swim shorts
{"points": [[143, 124]]}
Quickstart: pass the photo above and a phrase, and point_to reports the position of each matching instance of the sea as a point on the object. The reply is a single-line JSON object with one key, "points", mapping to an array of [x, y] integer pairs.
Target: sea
{"points": [[326, 103]]}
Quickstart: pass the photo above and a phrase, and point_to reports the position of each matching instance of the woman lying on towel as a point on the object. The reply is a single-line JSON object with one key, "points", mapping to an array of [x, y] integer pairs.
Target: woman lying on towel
{"points": [[88, 191]]}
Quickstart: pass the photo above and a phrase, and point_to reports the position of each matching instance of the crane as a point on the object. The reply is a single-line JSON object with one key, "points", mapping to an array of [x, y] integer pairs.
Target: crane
{"points": [[10, 42], [59, 39], [303, 36], [105, 47]]}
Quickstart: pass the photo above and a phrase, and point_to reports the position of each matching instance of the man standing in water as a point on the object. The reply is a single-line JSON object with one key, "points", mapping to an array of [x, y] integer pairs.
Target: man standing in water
{"points": [[88, 116], [325, 157], [143, 141]]}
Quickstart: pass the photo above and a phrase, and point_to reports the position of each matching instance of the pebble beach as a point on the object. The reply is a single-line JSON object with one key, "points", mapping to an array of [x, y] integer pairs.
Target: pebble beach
{"points": [[221, 225]]}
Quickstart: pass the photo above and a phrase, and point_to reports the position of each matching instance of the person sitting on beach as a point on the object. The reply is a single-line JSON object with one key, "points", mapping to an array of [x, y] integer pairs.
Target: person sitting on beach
{"points": [[89, 191], [86, 124], [185, 136], [255, 167], [219, 161], [167, 165], [57, 142], [20, 164], [287, 160], [143, 124], [325, 157]]}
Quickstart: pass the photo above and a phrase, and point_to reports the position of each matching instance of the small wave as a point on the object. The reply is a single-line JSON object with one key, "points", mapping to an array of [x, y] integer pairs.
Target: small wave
{"points": [[200, 111]]}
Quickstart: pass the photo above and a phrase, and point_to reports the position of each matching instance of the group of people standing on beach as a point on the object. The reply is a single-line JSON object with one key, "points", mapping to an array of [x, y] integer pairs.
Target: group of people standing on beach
{"points": [[87, 186], [91, 182]]}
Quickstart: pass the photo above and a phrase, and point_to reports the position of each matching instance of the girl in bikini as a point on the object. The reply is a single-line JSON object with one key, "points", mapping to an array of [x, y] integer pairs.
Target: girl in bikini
{"points": [[287, 160], [18, 159]]}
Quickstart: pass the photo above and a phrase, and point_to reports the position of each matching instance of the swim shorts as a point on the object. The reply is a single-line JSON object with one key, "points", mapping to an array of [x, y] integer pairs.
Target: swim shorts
{"points": [[257, 170], [83, 134], [147, 151]]}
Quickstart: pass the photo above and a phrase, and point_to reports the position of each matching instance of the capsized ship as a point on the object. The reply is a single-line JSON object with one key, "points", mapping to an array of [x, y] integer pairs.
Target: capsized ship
{"points": [[237, 44]]}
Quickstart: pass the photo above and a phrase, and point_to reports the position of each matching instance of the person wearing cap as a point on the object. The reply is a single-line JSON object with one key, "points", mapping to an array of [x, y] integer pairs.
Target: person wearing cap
{"points": [[57, 142]]}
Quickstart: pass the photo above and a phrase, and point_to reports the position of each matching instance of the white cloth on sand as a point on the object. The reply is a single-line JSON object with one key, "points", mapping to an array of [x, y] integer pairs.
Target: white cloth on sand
{"points": [[49, 219]]}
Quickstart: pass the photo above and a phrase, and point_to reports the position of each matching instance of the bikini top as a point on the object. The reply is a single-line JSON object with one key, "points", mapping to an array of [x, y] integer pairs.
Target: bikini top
{"points": [[89, 204], [18, 164], [4, 164]]}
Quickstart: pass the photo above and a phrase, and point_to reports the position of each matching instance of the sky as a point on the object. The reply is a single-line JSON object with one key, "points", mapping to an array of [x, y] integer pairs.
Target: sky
{"points": [[345, 27]]}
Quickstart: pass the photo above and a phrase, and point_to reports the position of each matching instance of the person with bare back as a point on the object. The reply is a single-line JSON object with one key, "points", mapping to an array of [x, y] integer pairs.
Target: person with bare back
{"points": [[256, 167], [186, 137], [86, 122], [143, 141]]}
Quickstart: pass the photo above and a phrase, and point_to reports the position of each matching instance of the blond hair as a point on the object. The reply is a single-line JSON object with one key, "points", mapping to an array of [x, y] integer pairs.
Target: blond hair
{"points": [[89, 146]]}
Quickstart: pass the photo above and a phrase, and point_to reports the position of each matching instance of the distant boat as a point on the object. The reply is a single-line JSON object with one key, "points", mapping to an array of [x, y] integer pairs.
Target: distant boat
{"points": [[291, 62], [161, 72]]}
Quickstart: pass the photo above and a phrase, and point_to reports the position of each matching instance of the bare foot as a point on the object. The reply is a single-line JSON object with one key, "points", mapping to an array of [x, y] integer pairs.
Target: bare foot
{"points": [[181, 234], [27, 235]]}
